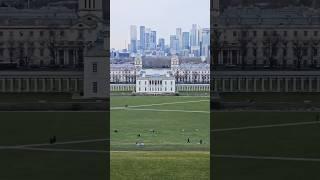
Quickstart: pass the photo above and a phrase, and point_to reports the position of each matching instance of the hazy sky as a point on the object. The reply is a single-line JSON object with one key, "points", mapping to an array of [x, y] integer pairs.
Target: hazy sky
{"points": [[164, 16]]}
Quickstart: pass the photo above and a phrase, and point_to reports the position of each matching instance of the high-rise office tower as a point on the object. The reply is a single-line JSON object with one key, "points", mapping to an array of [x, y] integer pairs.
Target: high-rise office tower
{"points": [[174, 44], [148, 39], [162, 45], [205, 39], [153, 38], [179, 37], [185, 40], [142, 37], [133, 38], [194, 35]]}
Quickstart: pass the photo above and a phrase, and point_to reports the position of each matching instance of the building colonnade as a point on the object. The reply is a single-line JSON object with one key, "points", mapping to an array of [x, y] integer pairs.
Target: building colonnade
{"points": [[29, 82], [267, 81]]}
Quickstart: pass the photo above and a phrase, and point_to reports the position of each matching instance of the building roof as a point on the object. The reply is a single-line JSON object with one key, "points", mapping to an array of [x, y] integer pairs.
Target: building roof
{"points": [[194, 67], [124, 66], [155, 73], [258, 16], [37, 17]]}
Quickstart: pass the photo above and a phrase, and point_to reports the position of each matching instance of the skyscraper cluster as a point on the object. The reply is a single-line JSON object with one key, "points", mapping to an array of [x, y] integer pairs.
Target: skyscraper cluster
{"points": [[195, 42]]}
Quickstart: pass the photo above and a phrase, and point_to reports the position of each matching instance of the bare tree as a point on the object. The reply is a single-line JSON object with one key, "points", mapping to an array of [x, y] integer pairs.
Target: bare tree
{"points": [[11, 50], [271, 43], [243, 42], [284, 53], [216, 45], [298, 52], [314, 51]]}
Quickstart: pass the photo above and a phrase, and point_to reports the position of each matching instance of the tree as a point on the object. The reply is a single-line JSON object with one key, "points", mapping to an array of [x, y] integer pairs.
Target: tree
{"points": [[52, 49], [284, 53], [298, 52], [314, 51], [243, 41], [216, 45], [271, 43]]}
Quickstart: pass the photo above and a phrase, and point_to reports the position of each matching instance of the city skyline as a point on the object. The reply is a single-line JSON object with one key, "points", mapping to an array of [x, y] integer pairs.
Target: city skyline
{"points": [[194, 41], [159, 15]]}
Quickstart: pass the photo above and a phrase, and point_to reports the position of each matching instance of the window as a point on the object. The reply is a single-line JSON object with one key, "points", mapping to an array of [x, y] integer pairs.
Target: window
{"points": [[254, 52], [305, 33], [1, 51], [254, 33], [234, 33], [41, 33], [94, 67], [295, 33], [244, 33], [305, 52], [11, 33], [62, 33], [80, 35], [41, 52], [265, 33], [52, 33], [284, 52], [1, 33], [315, 33], [94, 87], [285, 33], [275, 33], [315, 52], [31, 33], [61, 57]]}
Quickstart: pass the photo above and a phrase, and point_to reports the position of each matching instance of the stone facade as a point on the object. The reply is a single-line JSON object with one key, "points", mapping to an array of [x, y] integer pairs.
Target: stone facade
{"points": [[50, 35]]}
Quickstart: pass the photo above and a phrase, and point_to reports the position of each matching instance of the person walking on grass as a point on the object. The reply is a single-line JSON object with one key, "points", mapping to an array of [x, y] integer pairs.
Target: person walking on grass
{"points": [[188, 141], [53, 140]]}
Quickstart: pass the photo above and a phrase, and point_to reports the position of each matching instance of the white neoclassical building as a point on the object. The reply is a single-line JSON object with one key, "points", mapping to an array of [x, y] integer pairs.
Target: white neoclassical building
{"points": [[180, 77], [155, 81]]}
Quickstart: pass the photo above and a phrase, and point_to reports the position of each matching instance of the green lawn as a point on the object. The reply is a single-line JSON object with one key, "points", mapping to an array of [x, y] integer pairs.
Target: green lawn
{"points": [[172, 129], [160, 165], [288, 141], [23, 128], [166, 154]]}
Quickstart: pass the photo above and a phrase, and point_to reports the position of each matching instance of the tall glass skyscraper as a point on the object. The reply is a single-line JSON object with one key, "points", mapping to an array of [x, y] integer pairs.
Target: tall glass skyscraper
{"points": [[194, 35], [179, 38], [205, 39], [162, 44], [147, 39], [185, 40], [153, 38], [142, 37], [133, 38]]}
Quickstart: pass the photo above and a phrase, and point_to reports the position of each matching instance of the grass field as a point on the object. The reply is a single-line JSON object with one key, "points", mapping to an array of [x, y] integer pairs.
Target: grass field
{"points": [[265, 145], [25, 152], [166, 154], [36, 159]]}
